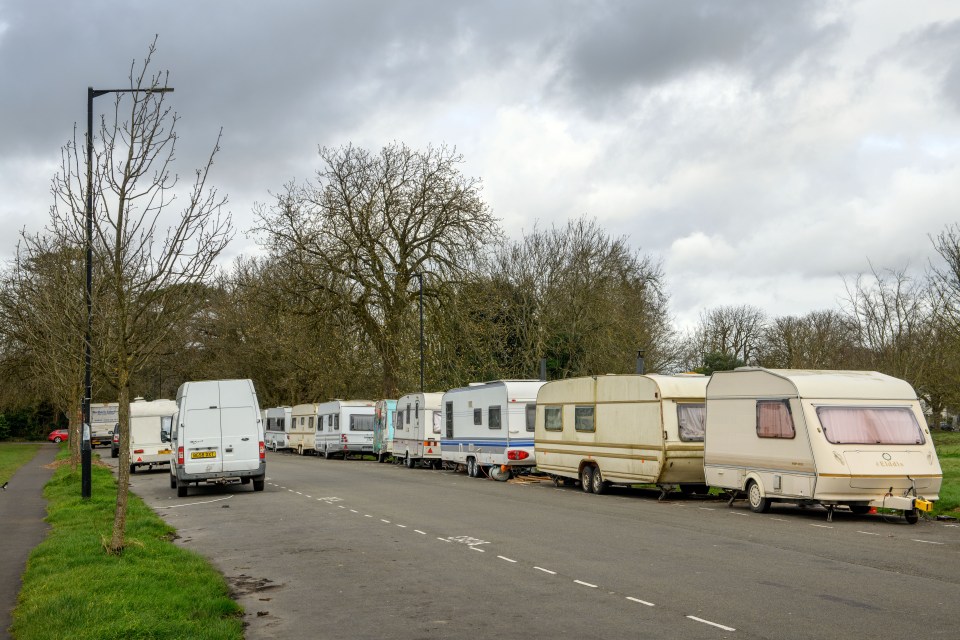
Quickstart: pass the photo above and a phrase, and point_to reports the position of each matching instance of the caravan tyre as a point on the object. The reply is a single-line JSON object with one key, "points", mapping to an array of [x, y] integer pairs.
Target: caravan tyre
{"points": [[600, 485], [912, 516], [758, 503], [586, 478], [860, 509], [326, 454], [408, 462], [472, 467]]}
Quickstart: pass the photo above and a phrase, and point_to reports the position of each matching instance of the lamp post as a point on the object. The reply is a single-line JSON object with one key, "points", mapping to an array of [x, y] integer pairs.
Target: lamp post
{"points": [[85, 451]]}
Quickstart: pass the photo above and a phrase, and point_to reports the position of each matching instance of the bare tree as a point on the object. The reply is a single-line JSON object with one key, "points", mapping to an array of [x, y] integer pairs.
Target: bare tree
{"points": [[153, 275], [817, 340], [361, 232], [732, 332]]}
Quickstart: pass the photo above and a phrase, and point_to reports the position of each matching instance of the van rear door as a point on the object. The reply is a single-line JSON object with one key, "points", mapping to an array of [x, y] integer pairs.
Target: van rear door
{"points": [[238, 425], [200, 434]]}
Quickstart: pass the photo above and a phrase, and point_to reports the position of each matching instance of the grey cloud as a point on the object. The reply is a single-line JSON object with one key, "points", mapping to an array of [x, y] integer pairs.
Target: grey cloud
{"points": [[936, 49]]}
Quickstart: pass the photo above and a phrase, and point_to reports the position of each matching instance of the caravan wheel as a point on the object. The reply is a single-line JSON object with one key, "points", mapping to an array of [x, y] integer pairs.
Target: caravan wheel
{"points": [[912, 516], [599, 484], [758, 504], [586, 478], [408, 462], [472, 467], [326, 454]]}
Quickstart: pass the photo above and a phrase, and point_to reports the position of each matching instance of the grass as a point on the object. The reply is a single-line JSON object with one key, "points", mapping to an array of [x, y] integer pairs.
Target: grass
{"points": [[14, 456], [73, 589], [948, 450]]}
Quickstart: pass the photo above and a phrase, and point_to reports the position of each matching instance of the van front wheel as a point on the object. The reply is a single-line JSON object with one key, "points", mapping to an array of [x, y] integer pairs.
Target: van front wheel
{"points": [[758, 503]]}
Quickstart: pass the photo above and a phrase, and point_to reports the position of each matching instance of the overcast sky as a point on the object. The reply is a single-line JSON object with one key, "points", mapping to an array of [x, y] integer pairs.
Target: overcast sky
{"points": [[762, 150]]}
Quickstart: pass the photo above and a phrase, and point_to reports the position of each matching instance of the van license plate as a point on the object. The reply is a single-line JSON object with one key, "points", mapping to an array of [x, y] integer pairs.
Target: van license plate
{"points": [[203, 454]]}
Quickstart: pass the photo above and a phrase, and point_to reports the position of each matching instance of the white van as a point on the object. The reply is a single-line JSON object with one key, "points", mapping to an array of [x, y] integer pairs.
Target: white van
{"points": [[345, 427], [416, 430], [623, 429], [851, 438], [217, 435], [150, 427], [488, 427], [277, 421]]}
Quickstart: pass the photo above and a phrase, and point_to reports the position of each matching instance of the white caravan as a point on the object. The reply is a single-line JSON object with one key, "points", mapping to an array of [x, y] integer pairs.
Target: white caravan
{"points": [[345, 427], [416, 430], [853, 438], [277, 422], [217, 435], [488, 427], [301, 436], [623, 429], [150, 427]]}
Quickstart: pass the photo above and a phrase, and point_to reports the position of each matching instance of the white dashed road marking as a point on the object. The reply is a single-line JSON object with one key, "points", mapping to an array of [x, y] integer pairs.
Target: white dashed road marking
{"points": [[649, 604], [822, 526], [868, 533], [586, 584], [926, 541], [507, 559], [423, 533], [553, 573], [712, 624]]}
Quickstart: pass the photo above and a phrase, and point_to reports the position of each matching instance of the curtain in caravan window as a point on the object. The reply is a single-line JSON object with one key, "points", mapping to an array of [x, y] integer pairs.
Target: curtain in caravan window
{"points": [[361, 423], [774, 419], [691, 418], [870, 425], [436, 422]]}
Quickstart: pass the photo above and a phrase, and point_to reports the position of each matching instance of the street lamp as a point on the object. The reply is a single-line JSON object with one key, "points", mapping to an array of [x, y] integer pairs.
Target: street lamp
{"points": [[419, 276], [85, 450]]}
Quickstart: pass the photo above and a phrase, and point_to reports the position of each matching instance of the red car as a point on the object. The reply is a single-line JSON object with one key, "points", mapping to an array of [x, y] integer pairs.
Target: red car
{"points": [[58, 435]]}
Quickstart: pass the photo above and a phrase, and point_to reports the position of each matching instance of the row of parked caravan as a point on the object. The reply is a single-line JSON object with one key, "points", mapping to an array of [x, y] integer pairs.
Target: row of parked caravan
{"points": [[856, 439]]}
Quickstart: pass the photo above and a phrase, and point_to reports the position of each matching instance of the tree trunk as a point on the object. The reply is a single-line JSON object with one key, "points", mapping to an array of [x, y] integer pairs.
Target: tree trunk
{"points": [[123, 472]]}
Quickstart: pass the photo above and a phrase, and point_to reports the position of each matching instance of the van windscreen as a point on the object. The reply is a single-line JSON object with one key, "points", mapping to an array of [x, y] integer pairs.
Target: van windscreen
{"points": [[870, 425], [362, 423]]}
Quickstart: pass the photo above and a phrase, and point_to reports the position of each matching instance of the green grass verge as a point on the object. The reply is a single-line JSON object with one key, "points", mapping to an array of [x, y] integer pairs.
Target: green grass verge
{"points": [[73, 589], [14, 456], [948, 451]]}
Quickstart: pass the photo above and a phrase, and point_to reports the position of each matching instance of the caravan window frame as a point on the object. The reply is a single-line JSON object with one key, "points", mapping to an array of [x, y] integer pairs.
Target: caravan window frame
{"points": [[785, 402], [553, 417], [684, 434], [580, 414], [530, 414], [495, 410], [448, 410], [899, 408], [355, 418], [478, 417]]}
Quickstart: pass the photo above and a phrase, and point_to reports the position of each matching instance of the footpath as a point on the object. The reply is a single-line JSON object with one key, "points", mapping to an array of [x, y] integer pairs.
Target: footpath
{"points": [[22, 510]]}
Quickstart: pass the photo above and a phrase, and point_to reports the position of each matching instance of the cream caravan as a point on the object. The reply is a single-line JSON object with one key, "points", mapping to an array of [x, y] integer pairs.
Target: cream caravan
{"points": [[301, 436], [416, 430], [345, 427], [853, 438], [488, 427], [623, 429], [150, 426]]}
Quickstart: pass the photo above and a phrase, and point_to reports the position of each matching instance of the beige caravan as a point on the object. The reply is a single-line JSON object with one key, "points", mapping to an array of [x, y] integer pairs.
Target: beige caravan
{"points": [[302, 434], [853, 438], [622, 429]]}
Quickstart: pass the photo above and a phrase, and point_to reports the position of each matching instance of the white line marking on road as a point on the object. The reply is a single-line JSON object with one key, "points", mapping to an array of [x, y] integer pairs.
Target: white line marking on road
{"points": [[382, 520], [926, 541], [553, 573], [477, 549], [712, 624], [868, 533], [282, 487], [290, 490], [707, 508], [586, 584], [779, 519], [952, 525], [298, 493], [309, 496], [353, 511], [507, 559], [339, 506], [649, 604], [737, 513], [423, 533], [443, 539], [367, 515], [822, 526], [402, 526], [190, 504]]}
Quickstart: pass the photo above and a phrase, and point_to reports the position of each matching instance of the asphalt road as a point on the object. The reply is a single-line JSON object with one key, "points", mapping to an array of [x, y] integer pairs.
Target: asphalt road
{"points": [[335, 549]]}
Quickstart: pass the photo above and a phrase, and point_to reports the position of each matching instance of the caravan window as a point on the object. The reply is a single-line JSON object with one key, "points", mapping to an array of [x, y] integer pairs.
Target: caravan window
{"points": [[691, 417], [870, 425], [583, 419], [478, 416], [398, 420], [493, 417], [449, 416], [531, 416], [166, 423], [436, 422], [310, 423], [361, 423], [774, 419], [553, 418], [282, 422], [407, 418], [336, 422]]}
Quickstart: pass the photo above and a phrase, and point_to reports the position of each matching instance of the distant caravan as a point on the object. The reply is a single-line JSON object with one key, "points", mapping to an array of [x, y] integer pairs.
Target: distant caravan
{"points": [[302, 434], [383, 429], [488, 427], [345, 427], [416, 430], [623, 429], [856, 439], [277, 421]]}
